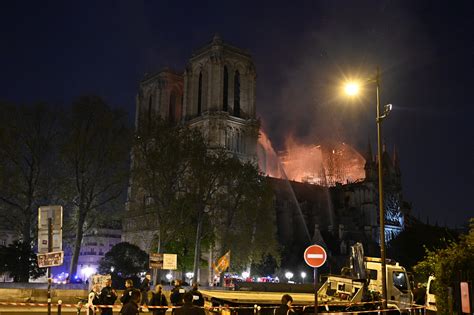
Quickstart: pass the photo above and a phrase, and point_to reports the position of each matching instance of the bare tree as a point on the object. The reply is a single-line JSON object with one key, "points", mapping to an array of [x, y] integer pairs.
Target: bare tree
{"points": [[27, 134], [95, 154]]}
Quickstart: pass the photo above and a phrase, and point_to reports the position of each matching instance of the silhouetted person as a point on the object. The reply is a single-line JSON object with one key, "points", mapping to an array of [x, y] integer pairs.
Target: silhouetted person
{"points": [[93, 299], [144, 288], [198, 300], [419, 294], [285, 307], [188, 308], [127, 294], [158, 299], [131, 308], [107, 297], [177, 293]]}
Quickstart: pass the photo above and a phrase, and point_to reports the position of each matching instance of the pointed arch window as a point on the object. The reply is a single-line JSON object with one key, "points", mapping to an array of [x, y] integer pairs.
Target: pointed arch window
{"points": [[237, 94], [225, 101], [172, 107], [199, 105], [150, 109]]}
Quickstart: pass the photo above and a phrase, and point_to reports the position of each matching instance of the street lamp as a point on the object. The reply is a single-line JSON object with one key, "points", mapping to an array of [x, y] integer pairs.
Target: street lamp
{"points": [[303, 275], [288, 275], [169, 276], [352, 89], [189, 275]]}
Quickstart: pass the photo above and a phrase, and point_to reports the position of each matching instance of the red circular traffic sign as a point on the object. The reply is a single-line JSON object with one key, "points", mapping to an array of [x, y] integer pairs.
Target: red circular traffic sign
{"points": [[315, 256]]}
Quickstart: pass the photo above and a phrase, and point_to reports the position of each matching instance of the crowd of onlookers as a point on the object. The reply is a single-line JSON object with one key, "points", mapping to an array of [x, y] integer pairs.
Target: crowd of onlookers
{"points": [[134, 300]]}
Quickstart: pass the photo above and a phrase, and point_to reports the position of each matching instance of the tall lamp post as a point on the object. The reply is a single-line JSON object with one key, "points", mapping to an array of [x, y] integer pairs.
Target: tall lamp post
{"points": [[353, 89]]}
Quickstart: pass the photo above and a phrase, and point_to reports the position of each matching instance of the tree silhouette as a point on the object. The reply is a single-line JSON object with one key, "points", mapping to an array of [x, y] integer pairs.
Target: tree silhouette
{"points": [[95, 153]]}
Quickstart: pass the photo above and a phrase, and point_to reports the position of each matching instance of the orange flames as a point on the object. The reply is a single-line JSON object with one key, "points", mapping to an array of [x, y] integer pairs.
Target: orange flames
{"points": [[323, 165]]}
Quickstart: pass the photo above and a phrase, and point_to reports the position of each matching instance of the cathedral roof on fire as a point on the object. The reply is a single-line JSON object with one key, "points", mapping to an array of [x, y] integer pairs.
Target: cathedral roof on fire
{"points": [[325, 165]]}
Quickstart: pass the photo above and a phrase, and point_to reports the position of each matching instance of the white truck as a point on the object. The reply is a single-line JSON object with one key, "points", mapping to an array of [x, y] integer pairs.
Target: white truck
{"points": [[364, 287]]}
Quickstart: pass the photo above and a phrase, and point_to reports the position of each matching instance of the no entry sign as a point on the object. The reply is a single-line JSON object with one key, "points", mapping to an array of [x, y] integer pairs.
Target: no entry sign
{"points": [[315, 256]]}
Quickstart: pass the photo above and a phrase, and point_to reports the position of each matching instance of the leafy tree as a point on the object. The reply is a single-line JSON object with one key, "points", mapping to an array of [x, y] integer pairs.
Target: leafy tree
{"points": [[446, 264], [124, 259], [183, 246], [201, 190], [266, 267], [18, 259], [211, 193], [94, 154], [408, 247], [160, 159], [27, 136], [246, 220]]}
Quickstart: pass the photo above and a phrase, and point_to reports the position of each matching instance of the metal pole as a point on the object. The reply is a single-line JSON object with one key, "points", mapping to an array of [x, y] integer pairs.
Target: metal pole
{"points": [[50, 249], [315, 291], [59, 306], [381, 206]]}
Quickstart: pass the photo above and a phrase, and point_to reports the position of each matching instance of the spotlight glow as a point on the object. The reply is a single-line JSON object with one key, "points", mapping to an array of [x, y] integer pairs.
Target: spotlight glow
{"points": [[352, 88]]}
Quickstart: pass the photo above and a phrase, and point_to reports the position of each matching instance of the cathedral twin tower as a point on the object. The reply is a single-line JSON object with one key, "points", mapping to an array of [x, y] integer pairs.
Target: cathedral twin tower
{"points": [[216, 94]]}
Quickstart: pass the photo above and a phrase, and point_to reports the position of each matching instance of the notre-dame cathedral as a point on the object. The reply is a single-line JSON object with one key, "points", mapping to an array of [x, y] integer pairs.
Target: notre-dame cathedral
{"points": [[216, 94]]}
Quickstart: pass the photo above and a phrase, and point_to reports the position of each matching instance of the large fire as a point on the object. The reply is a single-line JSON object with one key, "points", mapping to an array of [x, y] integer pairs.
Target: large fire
{"points": [[324, 164]]}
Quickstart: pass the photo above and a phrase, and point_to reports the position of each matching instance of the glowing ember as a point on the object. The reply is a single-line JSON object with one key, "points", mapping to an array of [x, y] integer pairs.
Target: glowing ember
{"points": [[323, 165]]}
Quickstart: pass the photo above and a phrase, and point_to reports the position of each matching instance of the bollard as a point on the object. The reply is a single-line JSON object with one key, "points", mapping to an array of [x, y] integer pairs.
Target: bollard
{"points": [[59, 306]]}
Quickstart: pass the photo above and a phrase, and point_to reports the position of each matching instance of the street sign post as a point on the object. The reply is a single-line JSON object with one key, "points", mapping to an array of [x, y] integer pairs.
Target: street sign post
{"points": [[170, 261], [315, 256], [156, 260], [163, 261], [50, 217], [50, 259], [50, 241], [159, 261]]}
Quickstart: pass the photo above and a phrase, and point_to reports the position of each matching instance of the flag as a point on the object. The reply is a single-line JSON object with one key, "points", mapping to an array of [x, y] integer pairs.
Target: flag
{"points": [[222, 263]]}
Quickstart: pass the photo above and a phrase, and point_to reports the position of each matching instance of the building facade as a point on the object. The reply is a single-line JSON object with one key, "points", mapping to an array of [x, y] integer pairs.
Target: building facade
{"points": [[96, 243], [216, 94]]}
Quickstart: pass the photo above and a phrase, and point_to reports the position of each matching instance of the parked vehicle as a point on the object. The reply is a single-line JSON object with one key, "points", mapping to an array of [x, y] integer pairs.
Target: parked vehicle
{"points": [[362, 284], [430, 296]]}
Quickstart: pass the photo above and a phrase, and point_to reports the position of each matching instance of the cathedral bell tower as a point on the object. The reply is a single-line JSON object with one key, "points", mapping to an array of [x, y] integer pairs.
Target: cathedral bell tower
{"points": [[219, 98], [160, 95]]}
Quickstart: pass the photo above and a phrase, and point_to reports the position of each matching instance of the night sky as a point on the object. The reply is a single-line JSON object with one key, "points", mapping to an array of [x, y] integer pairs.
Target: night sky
{"points": [[303, 50]]}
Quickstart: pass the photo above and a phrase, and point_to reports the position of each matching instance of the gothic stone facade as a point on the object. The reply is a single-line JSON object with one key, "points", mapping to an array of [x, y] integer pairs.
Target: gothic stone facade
{"points": [[216, 94]]}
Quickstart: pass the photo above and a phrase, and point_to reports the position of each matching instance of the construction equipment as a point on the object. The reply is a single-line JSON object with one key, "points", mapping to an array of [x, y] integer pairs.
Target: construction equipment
{"points": [[363, 285]]}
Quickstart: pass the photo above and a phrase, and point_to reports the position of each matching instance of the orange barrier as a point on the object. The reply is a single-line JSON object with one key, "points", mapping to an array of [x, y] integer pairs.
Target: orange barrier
{"points": [[85, 306]]}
